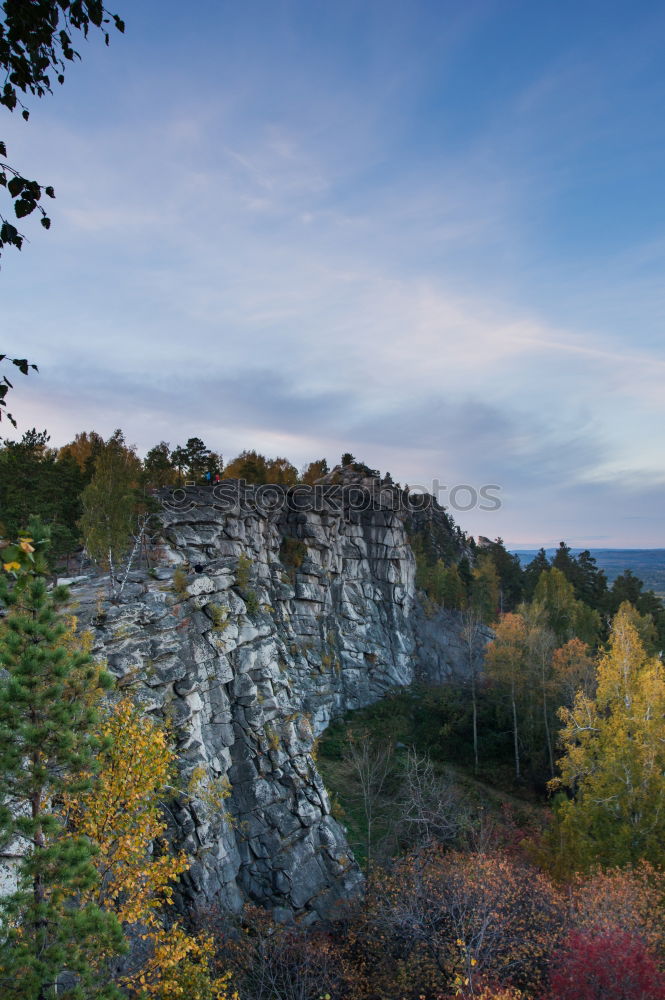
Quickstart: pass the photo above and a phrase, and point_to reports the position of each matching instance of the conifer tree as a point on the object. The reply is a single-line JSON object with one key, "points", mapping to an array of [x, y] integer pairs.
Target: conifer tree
{"points": [[48, 938], [485, 588], [454, 591], [539, 564], [158, 467]]}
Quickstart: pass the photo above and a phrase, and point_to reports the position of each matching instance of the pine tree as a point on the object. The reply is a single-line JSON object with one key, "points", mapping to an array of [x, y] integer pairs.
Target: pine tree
{"points": [[485, 588], [48, 938], [539, 564], [198, 456], [564, 562], [511, 575], [315, 470], [454, 591], [158, 467], [591, 582], [471, 633]]}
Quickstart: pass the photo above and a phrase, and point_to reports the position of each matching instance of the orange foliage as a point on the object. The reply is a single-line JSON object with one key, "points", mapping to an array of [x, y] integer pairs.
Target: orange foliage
{"points": [[84, 447], [627, 899], [574, 669], [271, 959], [443, 921]]}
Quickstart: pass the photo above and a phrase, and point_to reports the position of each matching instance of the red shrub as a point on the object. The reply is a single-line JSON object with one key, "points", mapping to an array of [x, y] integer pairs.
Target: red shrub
{"points": [[611, 965]]}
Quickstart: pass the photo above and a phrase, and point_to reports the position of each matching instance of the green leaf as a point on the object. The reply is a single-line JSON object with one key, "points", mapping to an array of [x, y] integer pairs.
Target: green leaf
{"points": [[25, 114], [49, 191], [3, 149], [46, 222]]}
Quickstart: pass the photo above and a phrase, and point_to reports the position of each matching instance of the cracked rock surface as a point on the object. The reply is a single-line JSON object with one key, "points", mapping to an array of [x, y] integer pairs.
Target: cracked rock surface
{"points": [[254, 630]]}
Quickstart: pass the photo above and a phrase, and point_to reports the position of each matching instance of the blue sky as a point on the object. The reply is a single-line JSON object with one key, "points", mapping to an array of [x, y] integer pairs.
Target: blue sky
{"points": [[432, 234]]}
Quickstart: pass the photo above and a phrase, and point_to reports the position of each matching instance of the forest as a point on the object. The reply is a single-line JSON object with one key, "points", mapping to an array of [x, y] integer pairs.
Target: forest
{"points": [[509, 822], [421, 170]]}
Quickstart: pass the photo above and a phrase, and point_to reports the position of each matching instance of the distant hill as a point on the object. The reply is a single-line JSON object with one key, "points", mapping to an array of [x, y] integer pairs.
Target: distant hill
{"points": [[647, 564]]}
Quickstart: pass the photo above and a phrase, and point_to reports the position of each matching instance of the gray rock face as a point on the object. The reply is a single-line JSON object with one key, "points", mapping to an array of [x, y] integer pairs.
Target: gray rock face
{"points": [[249, 653]]}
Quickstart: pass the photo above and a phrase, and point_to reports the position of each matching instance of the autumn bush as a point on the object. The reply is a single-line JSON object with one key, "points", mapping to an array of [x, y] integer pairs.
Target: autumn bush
{"points": [[491, 993], [268, 959], [629, 899], [442, 924], [610, 965], [436, 918]]}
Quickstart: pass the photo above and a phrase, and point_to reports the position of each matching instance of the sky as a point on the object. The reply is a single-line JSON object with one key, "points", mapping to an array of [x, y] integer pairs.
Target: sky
{"points": [[429, 233]]}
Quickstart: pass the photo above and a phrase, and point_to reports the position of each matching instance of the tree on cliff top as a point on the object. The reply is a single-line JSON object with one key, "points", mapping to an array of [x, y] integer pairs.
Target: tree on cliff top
{"points": [[110, 500]]}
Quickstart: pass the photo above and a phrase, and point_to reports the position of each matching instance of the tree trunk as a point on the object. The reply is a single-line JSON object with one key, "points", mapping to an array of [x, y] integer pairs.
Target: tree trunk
{"points": [[547, 729], [474, 700], [515, 736], [111, 575], [38, 893]]}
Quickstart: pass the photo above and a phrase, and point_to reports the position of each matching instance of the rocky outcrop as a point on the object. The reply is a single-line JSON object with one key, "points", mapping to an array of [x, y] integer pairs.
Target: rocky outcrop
{"points": [[260, 622]]}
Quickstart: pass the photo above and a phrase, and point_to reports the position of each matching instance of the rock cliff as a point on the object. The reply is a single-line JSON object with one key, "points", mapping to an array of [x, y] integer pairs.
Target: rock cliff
{"points": [[260, 622]]}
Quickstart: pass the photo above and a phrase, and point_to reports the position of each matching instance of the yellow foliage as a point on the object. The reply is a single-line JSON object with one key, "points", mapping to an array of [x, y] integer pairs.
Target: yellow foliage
{"points": [[502, 993], [614, 759], [212, 791], [74, 640], [179, 967], [121, 814]]}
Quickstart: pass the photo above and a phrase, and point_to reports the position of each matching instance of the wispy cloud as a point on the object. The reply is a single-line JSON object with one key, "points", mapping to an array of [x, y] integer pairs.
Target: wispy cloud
{"points": [[322, 245]]}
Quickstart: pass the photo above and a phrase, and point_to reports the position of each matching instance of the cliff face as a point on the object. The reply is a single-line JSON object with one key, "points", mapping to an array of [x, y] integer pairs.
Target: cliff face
{"points": [[276, 620]]}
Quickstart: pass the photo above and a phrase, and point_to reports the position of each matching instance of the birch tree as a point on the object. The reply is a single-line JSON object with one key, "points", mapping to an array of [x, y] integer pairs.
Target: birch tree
{"points": [[614, 758]]}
